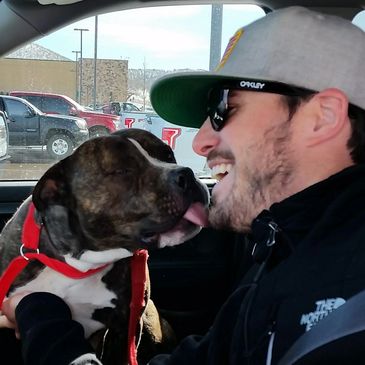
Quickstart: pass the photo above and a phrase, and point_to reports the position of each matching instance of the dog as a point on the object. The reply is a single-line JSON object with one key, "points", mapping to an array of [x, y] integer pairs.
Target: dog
{"points": [[114, 195]]}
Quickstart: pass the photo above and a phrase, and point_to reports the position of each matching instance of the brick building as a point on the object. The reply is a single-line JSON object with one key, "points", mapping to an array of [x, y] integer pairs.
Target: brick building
{"points": [[111, 80]]}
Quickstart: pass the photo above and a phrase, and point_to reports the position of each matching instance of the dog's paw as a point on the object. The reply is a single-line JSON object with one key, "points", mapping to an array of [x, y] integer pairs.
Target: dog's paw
{"points": [[86, 359]]}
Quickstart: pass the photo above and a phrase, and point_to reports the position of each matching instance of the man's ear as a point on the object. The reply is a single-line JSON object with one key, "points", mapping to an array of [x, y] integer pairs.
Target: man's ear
{"points": [[51, 187], [331, 116]]}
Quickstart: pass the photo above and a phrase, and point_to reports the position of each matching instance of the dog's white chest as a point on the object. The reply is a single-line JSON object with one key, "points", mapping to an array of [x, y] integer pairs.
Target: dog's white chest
{"points": [[82, 295]]}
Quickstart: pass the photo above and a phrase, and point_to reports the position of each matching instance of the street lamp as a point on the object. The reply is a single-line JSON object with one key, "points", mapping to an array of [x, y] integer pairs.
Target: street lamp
{"points": [[81, 30], [77, 78], [215, 36], [95, 59]]}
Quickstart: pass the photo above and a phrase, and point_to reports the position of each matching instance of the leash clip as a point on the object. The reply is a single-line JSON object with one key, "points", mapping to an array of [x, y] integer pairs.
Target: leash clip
{"points": [[23, 254], [272, 236], [270, 241]]}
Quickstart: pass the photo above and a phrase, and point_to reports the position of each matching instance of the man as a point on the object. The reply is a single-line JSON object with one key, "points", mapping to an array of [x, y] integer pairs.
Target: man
{"points": [[282, 126]]}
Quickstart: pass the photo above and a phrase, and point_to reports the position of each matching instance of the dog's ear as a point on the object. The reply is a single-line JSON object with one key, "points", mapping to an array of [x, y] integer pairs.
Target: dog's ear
{"points": [[51, 187]]}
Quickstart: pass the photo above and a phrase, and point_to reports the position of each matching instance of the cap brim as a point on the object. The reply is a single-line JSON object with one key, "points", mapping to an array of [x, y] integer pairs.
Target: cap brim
{"points": [[182, 98]]}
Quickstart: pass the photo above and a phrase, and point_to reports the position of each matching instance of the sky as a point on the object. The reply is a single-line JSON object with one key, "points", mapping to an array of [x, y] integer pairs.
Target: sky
{"points": [[162, 37], [171, 37]]}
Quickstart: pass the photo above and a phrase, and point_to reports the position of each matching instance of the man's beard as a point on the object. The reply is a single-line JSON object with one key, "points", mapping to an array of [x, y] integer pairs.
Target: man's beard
{"points": [[257, 185]]}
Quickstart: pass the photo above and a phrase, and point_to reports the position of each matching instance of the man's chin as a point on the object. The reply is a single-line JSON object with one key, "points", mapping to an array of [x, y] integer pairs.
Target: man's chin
{"points": [[221, 217]]}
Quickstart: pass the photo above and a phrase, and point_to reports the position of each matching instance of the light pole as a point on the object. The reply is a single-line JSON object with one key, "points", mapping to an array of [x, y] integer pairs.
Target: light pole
{"points": [[144, 83], [77, 78], [215, 36], [81, 30], [95, 59]]}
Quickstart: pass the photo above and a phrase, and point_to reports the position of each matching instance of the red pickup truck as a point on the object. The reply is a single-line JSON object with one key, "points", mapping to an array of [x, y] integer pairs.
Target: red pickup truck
{"points": [[98, 124]]}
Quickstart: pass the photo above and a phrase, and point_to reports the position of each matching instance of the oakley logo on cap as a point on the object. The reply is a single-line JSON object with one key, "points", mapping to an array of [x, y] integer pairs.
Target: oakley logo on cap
{"points": [[252, 85]]}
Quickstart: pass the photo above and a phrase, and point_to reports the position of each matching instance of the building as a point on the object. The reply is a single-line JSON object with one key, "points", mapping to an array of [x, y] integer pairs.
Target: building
{"points": [[111, 80], [36, 68]]}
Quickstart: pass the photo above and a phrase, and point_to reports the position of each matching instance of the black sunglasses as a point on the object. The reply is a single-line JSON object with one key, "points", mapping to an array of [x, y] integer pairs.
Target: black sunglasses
{"points": [[217, 109]]}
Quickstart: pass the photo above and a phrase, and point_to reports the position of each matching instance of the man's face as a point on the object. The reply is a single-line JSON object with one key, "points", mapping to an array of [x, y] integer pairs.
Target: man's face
{"points": [[252, 156]]}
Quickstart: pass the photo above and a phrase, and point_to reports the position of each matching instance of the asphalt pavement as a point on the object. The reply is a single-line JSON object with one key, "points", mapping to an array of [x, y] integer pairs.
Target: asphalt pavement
{"points": [[25, 164]]}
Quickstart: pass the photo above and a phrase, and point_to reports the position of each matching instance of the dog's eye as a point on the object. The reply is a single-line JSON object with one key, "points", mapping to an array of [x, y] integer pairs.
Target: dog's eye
{"points": [[124, 171], [118, 172]]}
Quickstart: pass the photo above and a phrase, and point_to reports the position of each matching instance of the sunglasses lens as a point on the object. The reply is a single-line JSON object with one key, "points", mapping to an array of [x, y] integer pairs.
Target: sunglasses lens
{"points": [[217, 108]]}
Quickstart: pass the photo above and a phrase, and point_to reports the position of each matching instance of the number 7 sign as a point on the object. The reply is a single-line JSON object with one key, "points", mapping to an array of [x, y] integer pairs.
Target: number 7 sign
{"points": [[169, 136]]}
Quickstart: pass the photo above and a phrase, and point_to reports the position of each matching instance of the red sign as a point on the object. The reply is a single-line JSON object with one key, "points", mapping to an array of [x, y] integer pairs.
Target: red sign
{"points": [[169, 136], [128, 122]]}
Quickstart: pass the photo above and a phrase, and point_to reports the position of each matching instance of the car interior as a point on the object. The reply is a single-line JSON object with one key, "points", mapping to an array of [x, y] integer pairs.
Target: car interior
{"points": [[189, 282]]}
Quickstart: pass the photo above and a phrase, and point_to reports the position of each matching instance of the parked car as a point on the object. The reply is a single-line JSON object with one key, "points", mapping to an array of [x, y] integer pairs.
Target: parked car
{"points": [[99, 124], [118, 107], [29, 127], [180, 139], [134, 119]]}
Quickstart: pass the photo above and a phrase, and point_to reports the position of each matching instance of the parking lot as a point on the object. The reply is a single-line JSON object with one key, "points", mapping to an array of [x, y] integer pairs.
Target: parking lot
{"points": [[24, 164]]}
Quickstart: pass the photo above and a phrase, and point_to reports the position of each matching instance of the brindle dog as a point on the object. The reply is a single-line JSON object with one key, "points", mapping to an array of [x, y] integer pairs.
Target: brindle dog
{"points": [[112, 196]]}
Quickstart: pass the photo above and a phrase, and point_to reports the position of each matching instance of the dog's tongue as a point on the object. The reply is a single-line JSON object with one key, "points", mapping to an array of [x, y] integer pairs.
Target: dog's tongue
{"points": [[197, 214]]}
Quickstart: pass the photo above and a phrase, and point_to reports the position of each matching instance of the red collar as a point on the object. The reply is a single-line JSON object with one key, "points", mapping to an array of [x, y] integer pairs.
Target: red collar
{"points": [[30, 240]]}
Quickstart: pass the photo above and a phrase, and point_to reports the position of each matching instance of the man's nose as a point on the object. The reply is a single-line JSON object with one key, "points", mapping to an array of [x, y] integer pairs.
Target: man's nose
{"points": [[206, 139]]}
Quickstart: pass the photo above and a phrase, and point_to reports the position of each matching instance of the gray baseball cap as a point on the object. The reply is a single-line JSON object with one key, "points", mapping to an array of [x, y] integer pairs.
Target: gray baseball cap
{"points": [[294, 46]]}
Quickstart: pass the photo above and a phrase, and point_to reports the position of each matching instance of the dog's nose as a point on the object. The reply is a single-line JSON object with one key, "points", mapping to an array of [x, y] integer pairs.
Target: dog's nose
{"points": [[182, 178]]}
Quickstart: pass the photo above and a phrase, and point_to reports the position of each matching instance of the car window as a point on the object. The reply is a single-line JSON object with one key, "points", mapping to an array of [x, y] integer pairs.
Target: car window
{"points": [[112, 60], [16, 108], [35, 100], [128, 107], [359, 19], [55, 105]]}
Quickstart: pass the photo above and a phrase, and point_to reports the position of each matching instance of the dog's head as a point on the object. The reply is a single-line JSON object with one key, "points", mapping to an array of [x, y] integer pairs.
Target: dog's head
{"points": [[120, 191]]}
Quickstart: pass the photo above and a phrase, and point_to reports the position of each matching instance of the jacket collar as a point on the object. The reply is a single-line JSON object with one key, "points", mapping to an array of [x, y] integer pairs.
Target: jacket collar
{"points": [[312, 212]]}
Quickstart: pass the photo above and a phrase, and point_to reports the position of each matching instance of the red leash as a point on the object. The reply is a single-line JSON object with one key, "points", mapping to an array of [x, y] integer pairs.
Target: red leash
{"points": [[137, 304], [30, 239]]}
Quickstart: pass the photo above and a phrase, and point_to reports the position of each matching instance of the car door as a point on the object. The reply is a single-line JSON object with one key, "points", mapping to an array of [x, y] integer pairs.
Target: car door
{"points": [[16, 112], [4, 136], [23, 126]]}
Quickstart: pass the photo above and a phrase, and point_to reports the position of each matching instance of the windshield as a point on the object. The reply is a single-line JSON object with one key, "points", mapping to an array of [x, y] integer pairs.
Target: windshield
{"points": [[107, 64], [74, 103]]}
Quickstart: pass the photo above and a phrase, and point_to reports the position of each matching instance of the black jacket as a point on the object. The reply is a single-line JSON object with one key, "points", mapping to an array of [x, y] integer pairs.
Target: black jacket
{"points": [[315, 265], [48, 333]]}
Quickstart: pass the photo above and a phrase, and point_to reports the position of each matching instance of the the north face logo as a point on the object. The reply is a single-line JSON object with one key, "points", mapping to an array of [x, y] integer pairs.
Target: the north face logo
{"points": [[323, 308]]}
